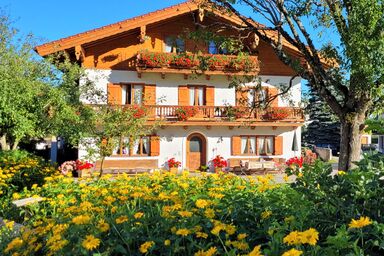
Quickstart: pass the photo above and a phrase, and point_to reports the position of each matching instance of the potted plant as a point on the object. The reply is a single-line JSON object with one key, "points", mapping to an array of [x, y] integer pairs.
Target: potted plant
{"points": [[242, 63], [219, 163], [217, 62], [148, 59], [68, 167], [233, 113], [83, 168], [184, 61], [173, 165], [183, 113], [276, 114]]}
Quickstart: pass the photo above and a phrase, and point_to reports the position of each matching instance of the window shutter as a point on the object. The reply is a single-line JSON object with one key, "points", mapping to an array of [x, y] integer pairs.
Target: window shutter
{"points": [[273, 91], [114, 94], [150, 94], [236, 145], [183, 95], [210, 96], [279, 145], [155, 145], [241, 96]]}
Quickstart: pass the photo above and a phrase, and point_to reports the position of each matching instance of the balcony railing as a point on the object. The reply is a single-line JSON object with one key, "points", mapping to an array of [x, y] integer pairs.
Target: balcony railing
{"points": [[206, 63]]}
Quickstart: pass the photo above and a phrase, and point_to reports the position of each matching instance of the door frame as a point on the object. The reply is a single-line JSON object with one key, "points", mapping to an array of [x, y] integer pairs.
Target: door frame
{"points": [[204, 148]]}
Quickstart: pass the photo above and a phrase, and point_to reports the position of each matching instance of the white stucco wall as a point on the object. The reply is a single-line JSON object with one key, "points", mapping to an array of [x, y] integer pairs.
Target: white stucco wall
{"points": [[219, 141], [167, 89]]}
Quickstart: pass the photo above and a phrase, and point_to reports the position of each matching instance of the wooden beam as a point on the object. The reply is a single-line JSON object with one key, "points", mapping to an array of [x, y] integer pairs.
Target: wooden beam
{"points": [[163, 75], [79, 53], [142, 33]]}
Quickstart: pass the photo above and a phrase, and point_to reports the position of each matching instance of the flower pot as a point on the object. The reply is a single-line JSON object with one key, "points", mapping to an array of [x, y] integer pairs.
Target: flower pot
{"points": [[174, 170], [84, 173], [218, 169]]}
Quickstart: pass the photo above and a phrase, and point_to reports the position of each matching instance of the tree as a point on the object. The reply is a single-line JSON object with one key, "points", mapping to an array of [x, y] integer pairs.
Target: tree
{"points": [[323, 127], [109, 125], [39, 97], [351, 83]]}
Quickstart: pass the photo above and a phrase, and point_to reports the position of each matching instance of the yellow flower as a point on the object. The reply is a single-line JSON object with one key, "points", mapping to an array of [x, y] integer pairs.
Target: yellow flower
{"points": [[286, 178], [241, 245], [341, 173], [9, 224], [138, 215], [58, 245], [230, 229], [201, 203], [121, 219], [90, 242], [185, 214], [167, 242], [362, 222], [209, 213], [241, 236], [292, 238], [103, 226], [292, 252], [211, 251], [183, 232], [256, 251], [201, 235], [81, 219], [266, 214], [15, 243], [310, 236], [145, 246]]}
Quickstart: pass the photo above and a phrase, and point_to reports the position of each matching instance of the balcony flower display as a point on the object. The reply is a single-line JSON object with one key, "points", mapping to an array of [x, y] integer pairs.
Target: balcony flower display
{"points": [[183, 113], [276, 114], [184, 61], [217, 62], [233, 113], [219, 163], [153, 59], [243, 63], [138, 111]]}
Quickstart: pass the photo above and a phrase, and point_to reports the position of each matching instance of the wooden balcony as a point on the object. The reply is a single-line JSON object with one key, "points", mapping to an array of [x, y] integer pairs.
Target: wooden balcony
{"points": [[206, 64], [225, 115]]}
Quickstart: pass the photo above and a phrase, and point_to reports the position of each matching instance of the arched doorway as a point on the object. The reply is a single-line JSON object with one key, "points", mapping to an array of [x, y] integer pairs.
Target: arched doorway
{"points": [[196, 151]]}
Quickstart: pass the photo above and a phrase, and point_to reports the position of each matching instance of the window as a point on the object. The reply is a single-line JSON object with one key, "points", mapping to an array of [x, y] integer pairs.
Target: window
{"points": [[141, 147], [257, 145], [214, 48], [195, 144], [175, 45], [196, 95], [257, 97], [132, 94]]}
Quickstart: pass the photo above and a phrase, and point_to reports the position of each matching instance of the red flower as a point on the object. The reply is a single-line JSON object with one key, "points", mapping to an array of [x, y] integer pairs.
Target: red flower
{"points": [[173, 163], [219, 162], [83, 165], [295, 161]]}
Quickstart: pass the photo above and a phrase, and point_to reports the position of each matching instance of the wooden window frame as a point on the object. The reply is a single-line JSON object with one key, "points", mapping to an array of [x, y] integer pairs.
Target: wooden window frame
{"points": [[257, 145], [204, 87], [141, 147], [132, 85], [130, 152]]}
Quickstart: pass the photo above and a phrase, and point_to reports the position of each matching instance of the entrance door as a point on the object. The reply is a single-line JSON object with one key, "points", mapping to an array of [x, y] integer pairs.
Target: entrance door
{"points": [[196, 151]]}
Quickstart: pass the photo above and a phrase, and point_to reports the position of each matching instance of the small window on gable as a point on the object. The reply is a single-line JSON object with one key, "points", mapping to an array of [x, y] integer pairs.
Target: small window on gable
{"points": [[175, 45], [132, 94]]}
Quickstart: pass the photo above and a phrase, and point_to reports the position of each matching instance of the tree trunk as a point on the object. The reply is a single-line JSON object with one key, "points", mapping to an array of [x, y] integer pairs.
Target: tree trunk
{"points": [[3, 143], [15, 144], [350, 143], [101, 166]]}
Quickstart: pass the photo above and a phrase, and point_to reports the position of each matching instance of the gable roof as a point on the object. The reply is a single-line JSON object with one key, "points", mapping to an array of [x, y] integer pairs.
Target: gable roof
{"points": [[136, 22]]}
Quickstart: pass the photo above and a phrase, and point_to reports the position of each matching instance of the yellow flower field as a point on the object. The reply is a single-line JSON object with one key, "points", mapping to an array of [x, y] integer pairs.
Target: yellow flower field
{"points": [[166, 214]]}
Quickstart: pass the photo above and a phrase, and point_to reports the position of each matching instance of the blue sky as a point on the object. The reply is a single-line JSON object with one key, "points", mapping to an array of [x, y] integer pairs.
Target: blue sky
{"points": [[51, 20]]}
